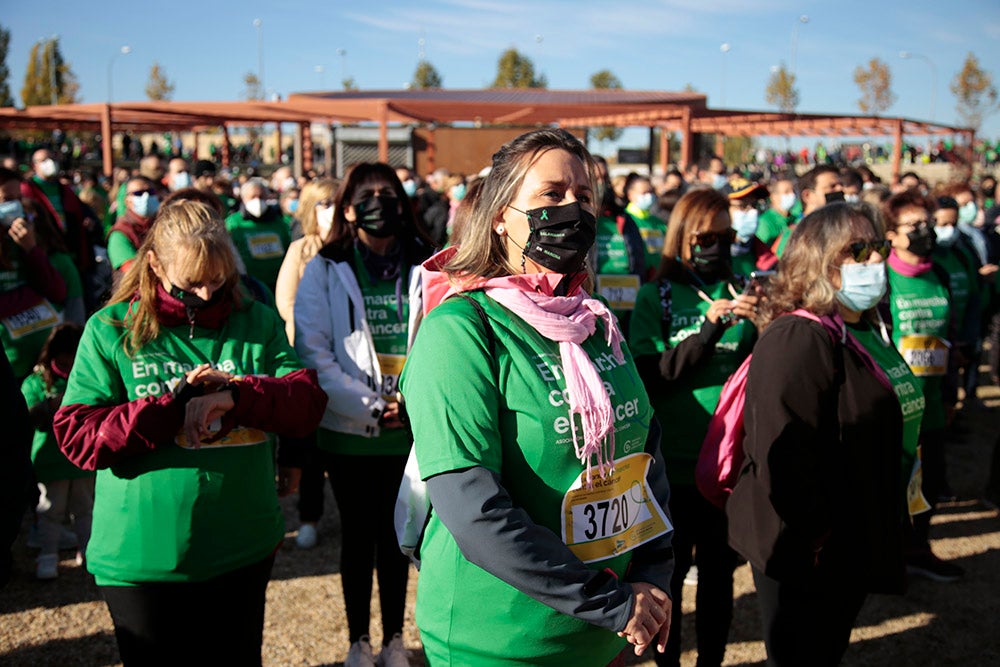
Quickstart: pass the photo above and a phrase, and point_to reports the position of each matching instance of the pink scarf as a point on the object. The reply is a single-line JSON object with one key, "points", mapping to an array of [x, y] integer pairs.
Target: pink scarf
{"points": [[909, 270], [570, 320]]}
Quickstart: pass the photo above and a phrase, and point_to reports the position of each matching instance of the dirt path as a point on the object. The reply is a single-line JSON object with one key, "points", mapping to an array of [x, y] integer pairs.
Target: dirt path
{"points": [[65, 623]]}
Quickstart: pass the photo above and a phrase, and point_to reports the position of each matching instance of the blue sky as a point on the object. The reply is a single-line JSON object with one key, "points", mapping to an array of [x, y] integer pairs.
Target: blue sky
{"points": [[206, 47]]}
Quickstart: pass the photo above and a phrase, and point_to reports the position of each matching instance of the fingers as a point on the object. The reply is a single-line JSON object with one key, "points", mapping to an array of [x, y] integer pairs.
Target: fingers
{"points": [[201, 411]]}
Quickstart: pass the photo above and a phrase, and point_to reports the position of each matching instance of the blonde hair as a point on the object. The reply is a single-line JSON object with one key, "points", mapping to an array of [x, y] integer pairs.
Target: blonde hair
{"points": [[815, 251], [483, 253], [188, 236], [312, 193]]}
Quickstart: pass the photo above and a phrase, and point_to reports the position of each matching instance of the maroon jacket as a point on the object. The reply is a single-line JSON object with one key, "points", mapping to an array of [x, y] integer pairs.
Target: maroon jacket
{"points": [[75, 214], [43, 281]]}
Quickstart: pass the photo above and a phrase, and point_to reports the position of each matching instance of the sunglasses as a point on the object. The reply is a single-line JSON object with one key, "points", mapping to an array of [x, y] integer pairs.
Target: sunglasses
{"points": [[862, 250], [139, 193], [324, 203], [709, 239]]}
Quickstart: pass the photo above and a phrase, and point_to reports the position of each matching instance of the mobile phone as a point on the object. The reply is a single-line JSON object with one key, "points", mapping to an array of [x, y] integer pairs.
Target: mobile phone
{"points": [[10, 211], [758, 278]]}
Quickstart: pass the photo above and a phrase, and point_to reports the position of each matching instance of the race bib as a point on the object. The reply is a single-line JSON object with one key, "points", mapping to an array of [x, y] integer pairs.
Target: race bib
{"points": [[618, 290], [391, 366], [925, 355], [265, 246], [616, 516], [40, 316], [653, 239], [238, 437]]}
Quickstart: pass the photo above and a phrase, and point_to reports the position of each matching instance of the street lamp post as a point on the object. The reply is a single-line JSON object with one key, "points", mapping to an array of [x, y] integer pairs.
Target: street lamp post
{"points": [[725, 48], [802, 20], [124, 51], [343, 64], [54, 40], [906, 55], [258, 24]]}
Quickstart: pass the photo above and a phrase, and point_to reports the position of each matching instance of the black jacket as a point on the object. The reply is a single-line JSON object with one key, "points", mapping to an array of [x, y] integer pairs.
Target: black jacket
{"points": [[819, 496]]}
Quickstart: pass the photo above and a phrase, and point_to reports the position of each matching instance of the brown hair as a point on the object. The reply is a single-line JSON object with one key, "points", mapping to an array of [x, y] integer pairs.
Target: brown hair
{"points": [[688, 216], [815, 250], [483, 253], [185, 231], [906, 199]]}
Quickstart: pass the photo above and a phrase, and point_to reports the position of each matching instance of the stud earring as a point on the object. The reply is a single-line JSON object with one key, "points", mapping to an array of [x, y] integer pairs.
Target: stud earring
{"points": [[500, 229]]}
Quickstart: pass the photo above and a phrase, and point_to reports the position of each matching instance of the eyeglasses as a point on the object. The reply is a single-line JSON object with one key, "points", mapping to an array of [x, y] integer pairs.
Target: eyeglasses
{"points": [[862, 250], [324, 203], [918, 224], [709, 239], [139, 193]]}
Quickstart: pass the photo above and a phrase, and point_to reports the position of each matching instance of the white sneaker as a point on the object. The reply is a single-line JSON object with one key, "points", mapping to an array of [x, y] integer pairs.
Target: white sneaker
{"points": [[360, 654], [306, 539], [48, 567], [691, 578], [394, 654]]}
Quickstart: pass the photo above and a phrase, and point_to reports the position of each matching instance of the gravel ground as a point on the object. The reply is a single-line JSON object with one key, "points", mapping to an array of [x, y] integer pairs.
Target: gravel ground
{"points": [[64, 622]]}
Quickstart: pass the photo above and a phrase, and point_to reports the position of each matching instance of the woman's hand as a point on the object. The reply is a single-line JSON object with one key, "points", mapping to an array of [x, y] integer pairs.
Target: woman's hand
{"points": [[23, 234], [719, 309], [390, 416], [745, 306], [201, 411], [650, 618], [288, 481], [212, 378]]}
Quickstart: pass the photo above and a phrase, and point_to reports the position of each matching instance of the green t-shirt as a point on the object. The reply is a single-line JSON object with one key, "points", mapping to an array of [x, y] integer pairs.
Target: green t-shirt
{"points": [[920, 314], [24, 333], [63, 263], [685, 406], [609, 248], [120, 249], [907, 386], [773, 224], [615, 284], [961, 285], [53, 192], [261, 244], [48, 461], [177, 514], [508, 413], [388, 321], [653, 232]]}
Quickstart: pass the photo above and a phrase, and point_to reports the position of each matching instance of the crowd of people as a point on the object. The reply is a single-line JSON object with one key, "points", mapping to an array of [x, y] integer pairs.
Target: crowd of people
{"points": [[189, 349]]}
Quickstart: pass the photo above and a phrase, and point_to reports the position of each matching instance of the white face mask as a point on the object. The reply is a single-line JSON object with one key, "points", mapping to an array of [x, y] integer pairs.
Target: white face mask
{"points": [[254, 207], [852, 199], [180, 180], [644, 201], [787, 201], [47, 168], [967, 213], [324, 220]]}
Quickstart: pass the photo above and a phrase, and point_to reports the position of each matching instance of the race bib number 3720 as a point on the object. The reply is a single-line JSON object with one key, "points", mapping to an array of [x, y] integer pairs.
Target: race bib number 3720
{"points": [[615, 516]]}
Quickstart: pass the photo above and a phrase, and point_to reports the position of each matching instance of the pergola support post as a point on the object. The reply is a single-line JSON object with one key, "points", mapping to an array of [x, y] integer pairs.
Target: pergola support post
{"points": [[687, 145], [664, 149], [107, 156], [383, 131], [897, 148]]}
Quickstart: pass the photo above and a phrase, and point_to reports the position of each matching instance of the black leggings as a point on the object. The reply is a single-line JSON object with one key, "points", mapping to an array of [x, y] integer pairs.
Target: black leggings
{"points": [[365, 488], [312, 484], [214, 622], [700, 527]]}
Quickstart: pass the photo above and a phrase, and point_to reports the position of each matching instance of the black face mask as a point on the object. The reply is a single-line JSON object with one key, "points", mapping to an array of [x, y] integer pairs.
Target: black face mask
{"points": [[835, 196], [922, 241], [712, 262], [559, 237], [379, 216], [191, 300]]}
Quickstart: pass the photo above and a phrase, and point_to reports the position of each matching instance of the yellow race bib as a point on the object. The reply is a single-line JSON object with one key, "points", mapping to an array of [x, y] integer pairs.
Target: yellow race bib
{"points": [[238, 437], [925, 355], [617, 515], [618, 290], [391, 366], [42, 315], [265, 246]]}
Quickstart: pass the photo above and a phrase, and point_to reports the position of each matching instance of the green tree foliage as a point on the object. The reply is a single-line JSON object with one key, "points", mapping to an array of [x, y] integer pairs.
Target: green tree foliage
{"points": [[252, 89], [158, 87], [5, 98], [517, 71], [45, 68], [974, 90], [875, 84], [426, 76], [781, 91], [606, 80], [737, 150], [349, 83]]}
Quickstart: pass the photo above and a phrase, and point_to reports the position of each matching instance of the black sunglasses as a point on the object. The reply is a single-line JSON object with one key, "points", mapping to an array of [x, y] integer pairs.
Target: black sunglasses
{"points": [[709, 239], [139, 193], [862, 250]]}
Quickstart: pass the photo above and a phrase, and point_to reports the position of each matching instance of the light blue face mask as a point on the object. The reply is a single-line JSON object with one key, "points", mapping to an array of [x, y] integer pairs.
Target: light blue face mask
{"points": [[458, 192], [293, 205], [145, 205], [410, 187], [861, 285], [644, 201], [946, 235], [744, 223], [967, 213]]}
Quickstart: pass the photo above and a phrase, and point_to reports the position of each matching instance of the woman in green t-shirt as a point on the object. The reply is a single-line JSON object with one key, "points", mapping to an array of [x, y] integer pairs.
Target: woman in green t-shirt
{"points": [[548, 540], [690, 330]]}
